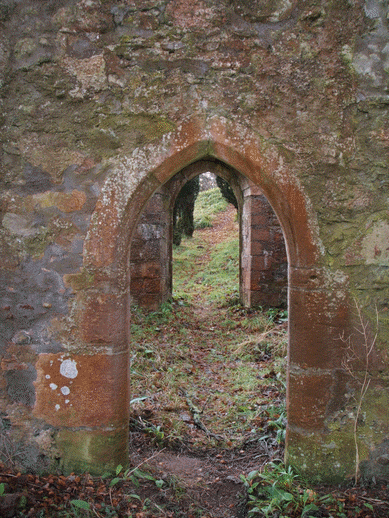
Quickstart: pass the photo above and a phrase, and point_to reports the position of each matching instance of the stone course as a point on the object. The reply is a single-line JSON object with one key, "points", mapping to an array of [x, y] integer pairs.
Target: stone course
{"points": [[103, 103]]}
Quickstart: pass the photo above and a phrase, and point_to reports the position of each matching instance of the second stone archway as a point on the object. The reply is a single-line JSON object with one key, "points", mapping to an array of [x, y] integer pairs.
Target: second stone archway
{"points": [[262, 254]]}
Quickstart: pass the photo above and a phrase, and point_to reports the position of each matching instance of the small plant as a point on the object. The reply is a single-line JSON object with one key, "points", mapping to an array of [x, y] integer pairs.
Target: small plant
{"points": [[133, 474], [80, 505], [136, 475], [277, 315], [279, 492], [278, 423], [336, 506], [156, 433], [275, 492], [177, 487], [355, 357]]}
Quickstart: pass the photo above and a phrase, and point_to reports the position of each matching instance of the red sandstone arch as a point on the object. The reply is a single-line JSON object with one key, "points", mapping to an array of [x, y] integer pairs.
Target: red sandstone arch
{"points": [[317, 298], [234, 146]]}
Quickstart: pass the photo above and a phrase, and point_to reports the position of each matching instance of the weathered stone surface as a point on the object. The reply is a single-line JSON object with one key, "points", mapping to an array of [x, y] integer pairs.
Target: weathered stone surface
{"points": [[151, 260], [95, 451], [263, 258], [311, 391], [102, 321], [320, 453], [326, 318], [261, 10], [103, 103], [68, 390], [19, 381]]}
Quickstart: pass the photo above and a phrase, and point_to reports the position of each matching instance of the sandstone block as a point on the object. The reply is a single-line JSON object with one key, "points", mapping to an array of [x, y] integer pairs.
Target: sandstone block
{"points": [[95, 451], [103, 318], [82, 390]]}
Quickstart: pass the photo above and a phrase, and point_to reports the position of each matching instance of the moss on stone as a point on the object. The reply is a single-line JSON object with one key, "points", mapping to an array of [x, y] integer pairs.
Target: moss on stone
{"points": [[37, 244], [94, 451], [322, 458], [79, 281], [126, 131]]}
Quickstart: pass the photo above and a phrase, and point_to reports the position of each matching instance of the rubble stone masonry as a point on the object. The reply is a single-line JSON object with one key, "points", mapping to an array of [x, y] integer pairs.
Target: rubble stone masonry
{"points": [[104, 103]]}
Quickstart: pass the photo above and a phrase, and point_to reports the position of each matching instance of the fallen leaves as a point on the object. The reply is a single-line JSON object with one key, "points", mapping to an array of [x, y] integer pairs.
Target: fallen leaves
{"points": [[56, 495]]}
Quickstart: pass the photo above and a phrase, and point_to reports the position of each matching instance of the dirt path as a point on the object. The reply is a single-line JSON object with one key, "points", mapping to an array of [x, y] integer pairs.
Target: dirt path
{"points": [[207, 480], [224, 227]]}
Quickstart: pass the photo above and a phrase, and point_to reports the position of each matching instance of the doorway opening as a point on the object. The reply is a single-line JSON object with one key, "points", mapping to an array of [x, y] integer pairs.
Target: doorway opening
{"points": [[208, 366], [206, 257], [262, 251]]}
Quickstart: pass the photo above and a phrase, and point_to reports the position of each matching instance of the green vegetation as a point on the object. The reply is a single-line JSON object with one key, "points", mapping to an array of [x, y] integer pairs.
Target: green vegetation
{"points": [[279, 491], [208, 205], [275, 490], [203, 270], [206, 341], [219, 281], [218, 365]]}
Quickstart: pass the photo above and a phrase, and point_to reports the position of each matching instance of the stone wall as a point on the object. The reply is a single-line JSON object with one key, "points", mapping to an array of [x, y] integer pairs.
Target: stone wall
{"points": [[101, 104], [151, 254], [264, 266]]}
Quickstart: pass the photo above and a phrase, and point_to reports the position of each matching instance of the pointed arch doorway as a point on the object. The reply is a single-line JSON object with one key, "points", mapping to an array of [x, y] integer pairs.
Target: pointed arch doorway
{"points": [[317, 302]]}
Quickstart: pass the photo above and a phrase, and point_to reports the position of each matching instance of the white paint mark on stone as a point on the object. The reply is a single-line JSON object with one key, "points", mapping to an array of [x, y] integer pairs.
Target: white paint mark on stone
{"points": [[53, 386], [67, 401], [69, 369], [57, 407], [47, 376], [65, 390]]}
